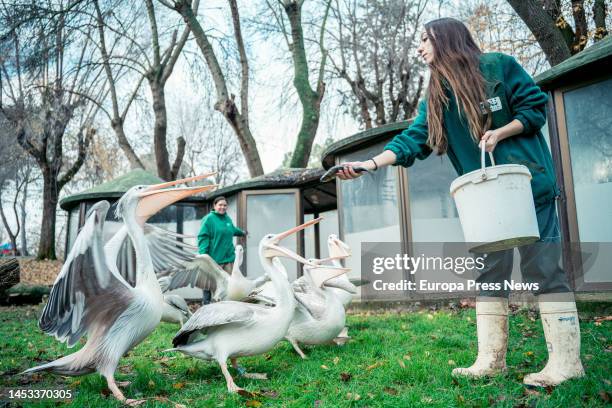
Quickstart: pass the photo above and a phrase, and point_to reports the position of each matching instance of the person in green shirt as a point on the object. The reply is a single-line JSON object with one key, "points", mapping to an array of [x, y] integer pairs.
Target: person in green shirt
{"points": [[216, 238], [476, 98]]}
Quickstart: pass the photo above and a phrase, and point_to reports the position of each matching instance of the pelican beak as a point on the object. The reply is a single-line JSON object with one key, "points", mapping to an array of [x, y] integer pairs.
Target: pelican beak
{"points": [[320, 274], [273, 249], [342, 284], [152, 201], [180, 181], [338, 249]]}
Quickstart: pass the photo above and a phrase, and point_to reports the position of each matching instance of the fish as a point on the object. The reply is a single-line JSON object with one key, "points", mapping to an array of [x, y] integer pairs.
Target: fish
{"points": [[331, 173]]}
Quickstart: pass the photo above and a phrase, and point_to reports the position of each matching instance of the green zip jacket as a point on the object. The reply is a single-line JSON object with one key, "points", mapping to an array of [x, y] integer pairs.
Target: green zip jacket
{"points": [[512, 94], [216, 237]]}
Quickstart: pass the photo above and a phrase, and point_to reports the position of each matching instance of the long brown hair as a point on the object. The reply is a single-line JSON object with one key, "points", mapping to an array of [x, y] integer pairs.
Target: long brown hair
{"points": [[456, 60]]}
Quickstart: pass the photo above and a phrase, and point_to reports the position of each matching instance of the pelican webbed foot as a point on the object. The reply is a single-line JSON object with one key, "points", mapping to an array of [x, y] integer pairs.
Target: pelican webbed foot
{"points": [[112, 386]]}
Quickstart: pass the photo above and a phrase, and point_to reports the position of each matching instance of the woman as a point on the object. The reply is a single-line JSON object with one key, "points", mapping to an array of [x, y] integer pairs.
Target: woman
{"points": [[216, 238], [476, 98]]}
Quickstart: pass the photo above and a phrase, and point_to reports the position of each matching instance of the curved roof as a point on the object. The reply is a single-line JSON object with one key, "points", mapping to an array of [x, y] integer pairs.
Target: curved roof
{"points": [[596, 58], [114, 188], [292, 177], [367, 137]]}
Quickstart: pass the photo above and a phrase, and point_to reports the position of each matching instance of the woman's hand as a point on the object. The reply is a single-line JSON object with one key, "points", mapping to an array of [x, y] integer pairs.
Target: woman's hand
{"points": [[490, 139], [348, 173]]}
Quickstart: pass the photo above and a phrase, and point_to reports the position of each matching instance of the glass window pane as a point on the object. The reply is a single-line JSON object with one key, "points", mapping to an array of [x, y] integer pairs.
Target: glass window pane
{"points": [[588, 115], [369, 207], [192, 220], [433, 214], [270, 213], [309, 238], [73, 225]]}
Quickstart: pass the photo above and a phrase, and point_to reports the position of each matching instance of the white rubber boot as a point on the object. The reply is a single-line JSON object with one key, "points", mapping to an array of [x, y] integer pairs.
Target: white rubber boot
{"points": [[562, 332], [492, 331]]}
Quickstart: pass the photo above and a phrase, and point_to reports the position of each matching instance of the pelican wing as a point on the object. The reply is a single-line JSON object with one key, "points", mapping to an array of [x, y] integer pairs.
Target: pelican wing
{"points": [[213, 315], [202, 272], [87, 295], [309, 298], [178, 302], [168, 249]]}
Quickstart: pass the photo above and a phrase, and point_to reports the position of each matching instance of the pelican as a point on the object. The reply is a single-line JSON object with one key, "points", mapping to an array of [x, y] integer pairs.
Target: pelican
{"points": [[90, 297], [204, 273], [341, 286], [175, 310], [230, 329], [319, 317]]}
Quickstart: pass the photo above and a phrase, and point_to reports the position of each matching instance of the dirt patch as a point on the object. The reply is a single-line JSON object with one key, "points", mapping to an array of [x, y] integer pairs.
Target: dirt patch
{"points": [[34, 272]]}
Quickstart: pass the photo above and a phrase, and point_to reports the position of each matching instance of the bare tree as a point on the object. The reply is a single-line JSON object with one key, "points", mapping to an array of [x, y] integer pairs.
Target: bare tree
{"points": [[237, 117], [47, 83], [155, 65], [210, 146], [373, 50], [497, 28], [548, 22], [310, 98]]}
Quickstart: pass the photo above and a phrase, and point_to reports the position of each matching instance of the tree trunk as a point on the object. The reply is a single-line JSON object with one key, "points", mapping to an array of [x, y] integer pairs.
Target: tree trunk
{"points": [[12, 235], [225, 104], [599, 16], [46, 246], [310, 99], [544, 29], [22, 210], [159, 129]]}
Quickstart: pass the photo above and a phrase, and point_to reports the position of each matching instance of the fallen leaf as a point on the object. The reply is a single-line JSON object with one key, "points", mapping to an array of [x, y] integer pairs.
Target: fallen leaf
{"points": [[269, 393], [390, 390], [407, 357], [336, 360], [151, 384], [401, 363], [426, 400], [529, 353], [323, 366], [353, 397], [430, 316], [451, 362], [602, 318], [604, 395], [345, 377], [373, 366], [253, 403], [178, 386]]}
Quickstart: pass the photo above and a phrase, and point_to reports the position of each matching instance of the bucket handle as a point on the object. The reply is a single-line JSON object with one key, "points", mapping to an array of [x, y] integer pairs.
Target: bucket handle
{"points": [[482, 161]]}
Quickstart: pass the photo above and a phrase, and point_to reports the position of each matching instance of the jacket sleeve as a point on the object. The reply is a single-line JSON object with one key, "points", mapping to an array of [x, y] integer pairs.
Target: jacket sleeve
{"points": [[238, 232], [527, 101], [411, 144], [204, 237]]}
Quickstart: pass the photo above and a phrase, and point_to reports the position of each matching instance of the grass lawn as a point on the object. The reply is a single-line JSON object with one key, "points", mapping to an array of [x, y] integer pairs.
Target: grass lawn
{"points": [[401, 360]]}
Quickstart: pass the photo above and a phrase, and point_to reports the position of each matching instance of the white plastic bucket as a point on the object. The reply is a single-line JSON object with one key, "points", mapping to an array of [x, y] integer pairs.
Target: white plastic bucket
{"points": [[495, 206]]}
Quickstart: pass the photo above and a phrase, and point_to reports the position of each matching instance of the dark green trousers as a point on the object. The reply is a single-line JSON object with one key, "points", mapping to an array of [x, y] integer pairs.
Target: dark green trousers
{"points": [[539, 261]]}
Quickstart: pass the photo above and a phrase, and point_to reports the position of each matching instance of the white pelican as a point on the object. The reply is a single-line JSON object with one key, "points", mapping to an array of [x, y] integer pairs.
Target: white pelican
{"points": [[90, 297], [204, 273], [175, 310], [341, 286], [319, 317], [230, 329]]}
